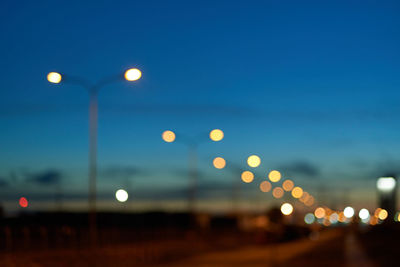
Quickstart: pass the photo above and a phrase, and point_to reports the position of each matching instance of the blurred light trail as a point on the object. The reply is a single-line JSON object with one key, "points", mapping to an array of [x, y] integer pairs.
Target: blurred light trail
{"points": [[265, 186], [121, 195], [247, 176], [133, 75], [348, 212], [23, 202], [286, 209], [253, 161], [216, 135], [219, 163], [274, 176], [168, 136]]}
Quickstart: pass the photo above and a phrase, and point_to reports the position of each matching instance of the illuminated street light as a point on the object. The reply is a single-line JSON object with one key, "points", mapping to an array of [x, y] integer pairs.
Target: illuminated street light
{"points": [[348, 212], [219, 163], [387, 194], [54, 77], [386, 184], [265, 186], [121, 195], [93, 90], [278, 192], [319, 212], [286, 209], [133, 75], [383, 214], [297, 192], [253, 161], [288, 185], [274, 176], [309, 218], [23, 202], [247, 176]]}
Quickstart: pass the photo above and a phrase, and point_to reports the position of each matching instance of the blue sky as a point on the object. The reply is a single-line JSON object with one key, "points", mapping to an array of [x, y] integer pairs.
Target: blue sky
{"points": [[314, 83]]}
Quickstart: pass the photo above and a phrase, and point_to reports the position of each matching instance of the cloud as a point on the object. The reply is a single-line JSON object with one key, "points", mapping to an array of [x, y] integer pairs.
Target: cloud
{"points": [[48, 177], [301, 168]]}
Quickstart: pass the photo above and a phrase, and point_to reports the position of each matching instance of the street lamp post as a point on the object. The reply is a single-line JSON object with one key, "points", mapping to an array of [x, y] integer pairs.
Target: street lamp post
{"points": [[192, 145], [93, 90]]}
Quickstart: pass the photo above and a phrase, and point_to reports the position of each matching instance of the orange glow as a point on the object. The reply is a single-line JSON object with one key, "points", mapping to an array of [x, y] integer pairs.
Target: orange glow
{"points": [[326, 222], [23, 202], [253, 161], [304, 197], [287, 185], [319, 213], [216, 135], [133, 75], [310, 201], [376, 213], [247, 176], [168, 136], [274, 176], [342, 218], [383, 214], [277, 192], [286, 209], [219, 163], [265, 186], [297, 192]]}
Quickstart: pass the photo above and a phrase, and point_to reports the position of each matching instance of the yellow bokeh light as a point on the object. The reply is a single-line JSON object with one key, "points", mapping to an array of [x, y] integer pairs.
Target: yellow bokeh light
{"points": [[253, 161], [274, 176], [133, 75], [286, 209], [216, 135], [383, 214], [219, 163], [287, 185], [278, 192], [297, 192], [247, 176], [319, 212], [265, 186], [54, 77], [168, 136]]}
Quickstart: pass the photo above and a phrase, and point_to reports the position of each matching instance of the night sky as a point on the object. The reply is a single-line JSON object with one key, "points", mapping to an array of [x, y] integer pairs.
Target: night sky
{"points": [[312, 87]]}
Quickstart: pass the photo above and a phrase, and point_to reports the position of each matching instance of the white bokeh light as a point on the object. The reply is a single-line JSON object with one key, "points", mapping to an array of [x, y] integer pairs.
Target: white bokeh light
{"points": [[121, 195], [348, 212], [386, 184]]}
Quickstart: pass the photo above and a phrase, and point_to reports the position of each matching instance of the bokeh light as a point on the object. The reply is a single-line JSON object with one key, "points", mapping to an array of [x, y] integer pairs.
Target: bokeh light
{"points": [[168, 136], [274, 176], [121, 195], [277, 192], [319, 212], [54, 77], [219, 163], [383, 214], [133, 75], [265, 186], [286, 209], [23, 202], [309, 218], [287, 185], [297, 192], [348, 212], [253, 161], [247, 176], [216, 135], [333, 218], [363, 214]]}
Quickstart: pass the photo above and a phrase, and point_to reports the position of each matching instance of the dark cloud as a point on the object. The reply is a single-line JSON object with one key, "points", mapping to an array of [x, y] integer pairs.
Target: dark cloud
{"points": [[300, 168], [49, 177]]}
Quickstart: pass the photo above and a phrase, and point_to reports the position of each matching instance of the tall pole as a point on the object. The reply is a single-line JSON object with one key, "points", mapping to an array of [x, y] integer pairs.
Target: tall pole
{"points": [[93, 115]]}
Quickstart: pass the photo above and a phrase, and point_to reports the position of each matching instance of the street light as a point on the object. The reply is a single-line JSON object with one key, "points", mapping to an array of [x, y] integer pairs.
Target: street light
{"points": [[387, 187], [192, 144], [93, 90]]}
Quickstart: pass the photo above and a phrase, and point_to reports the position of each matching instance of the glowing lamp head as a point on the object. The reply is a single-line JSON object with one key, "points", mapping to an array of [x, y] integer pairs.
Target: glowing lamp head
{"points": [[54, 77], [274, 176], [247, 176], [216, 135], [363, 214], [386, 184], [168, 136], [121, 195], [219, 163], [133, 75]]}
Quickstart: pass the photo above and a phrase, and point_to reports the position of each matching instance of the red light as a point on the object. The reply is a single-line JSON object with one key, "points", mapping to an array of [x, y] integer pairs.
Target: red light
{"points": [[23, 202]]}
